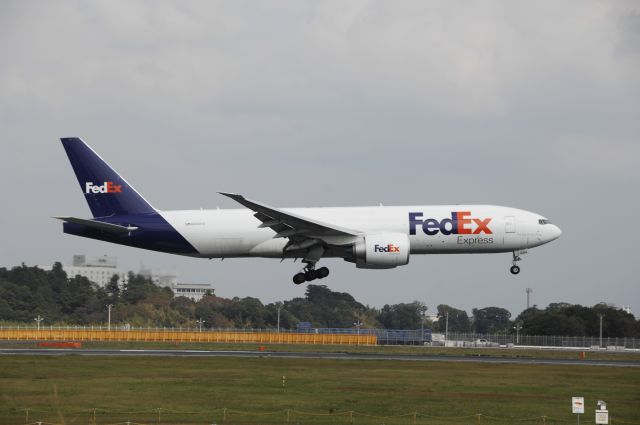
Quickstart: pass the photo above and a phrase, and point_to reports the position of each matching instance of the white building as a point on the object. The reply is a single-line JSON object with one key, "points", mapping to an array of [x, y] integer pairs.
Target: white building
{"points": [[160, 279], [98, 270], [431, 317], [195, 291]]}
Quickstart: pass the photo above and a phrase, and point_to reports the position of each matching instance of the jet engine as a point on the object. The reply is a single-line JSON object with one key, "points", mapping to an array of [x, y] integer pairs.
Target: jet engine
{"points": [[381, 251]]}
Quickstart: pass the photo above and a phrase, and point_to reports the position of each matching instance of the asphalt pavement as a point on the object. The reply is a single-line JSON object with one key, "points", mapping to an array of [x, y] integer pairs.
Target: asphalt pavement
{"points": [[316, 355]]}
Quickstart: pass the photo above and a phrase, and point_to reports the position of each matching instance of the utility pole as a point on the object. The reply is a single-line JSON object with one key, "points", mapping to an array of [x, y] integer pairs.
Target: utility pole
{"points": [[279, 307], [200, 322], [357, 325], [109, 307], [38, 320], [446, 328], [529, 291], [422, 311], [601, 316], [279, 318]]}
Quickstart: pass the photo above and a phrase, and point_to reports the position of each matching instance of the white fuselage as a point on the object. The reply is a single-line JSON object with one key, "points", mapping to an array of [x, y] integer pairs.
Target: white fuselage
{"points": [[431, 229], [370, 237]]}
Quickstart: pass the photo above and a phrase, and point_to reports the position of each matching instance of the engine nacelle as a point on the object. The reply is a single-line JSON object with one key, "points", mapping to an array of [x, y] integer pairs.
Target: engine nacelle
{"points": [[382, 251]]}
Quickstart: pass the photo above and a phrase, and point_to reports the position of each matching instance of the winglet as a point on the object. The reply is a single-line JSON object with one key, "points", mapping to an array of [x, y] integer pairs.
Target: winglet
{"points": [[234, 196], [239, 199]]}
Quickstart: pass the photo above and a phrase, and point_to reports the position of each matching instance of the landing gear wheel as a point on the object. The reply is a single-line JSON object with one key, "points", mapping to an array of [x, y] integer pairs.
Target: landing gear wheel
{"points": [[516, 257], [310, 273], [322, 272]]}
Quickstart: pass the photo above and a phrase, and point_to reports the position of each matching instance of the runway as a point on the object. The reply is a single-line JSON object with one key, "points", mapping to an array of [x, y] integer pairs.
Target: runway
{"points": [[315, 355]]}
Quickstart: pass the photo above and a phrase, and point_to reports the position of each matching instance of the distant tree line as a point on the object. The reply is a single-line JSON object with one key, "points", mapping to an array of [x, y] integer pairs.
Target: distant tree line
{"points": [[26, 292]]}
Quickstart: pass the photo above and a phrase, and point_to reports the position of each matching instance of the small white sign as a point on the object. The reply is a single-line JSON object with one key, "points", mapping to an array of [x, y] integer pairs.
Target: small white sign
{"points": [[602, 417], [577, 405]]}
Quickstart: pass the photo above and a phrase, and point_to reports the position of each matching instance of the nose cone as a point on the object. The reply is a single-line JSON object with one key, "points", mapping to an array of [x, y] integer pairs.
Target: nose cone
{"points": [[552, 232]]}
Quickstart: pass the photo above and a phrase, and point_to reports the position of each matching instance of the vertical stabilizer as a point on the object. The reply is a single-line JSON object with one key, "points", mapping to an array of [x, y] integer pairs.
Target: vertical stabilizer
{"points": [[106, 192]]}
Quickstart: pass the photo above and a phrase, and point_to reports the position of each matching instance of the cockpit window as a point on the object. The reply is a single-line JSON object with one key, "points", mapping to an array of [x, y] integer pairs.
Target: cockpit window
{"points": [[544, 221]]}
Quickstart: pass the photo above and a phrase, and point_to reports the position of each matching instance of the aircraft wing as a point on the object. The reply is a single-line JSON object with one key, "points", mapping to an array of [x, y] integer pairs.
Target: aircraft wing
{"points": [[289, 225], [99, 225]]}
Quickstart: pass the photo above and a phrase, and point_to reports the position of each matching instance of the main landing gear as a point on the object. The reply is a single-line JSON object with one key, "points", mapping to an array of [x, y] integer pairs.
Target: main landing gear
{"points": [[310, 273], [515, 269]]}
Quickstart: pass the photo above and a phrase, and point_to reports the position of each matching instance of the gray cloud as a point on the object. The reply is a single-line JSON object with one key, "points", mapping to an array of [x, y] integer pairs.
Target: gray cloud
{"points": [[299, 103]]}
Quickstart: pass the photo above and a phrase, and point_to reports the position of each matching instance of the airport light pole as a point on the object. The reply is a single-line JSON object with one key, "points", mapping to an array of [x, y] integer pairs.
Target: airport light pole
{"points": [[601, 316], [517, 327], [109, 307], [38, 320], [200, 322]]}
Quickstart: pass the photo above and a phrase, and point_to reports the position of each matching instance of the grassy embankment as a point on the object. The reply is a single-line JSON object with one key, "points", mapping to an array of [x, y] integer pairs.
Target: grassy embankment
{"points": [[66, 389]]}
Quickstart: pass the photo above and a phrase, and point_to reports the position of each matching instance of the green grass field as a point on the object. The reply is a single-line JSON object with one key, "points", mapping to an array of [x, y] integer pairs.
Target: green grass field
{"points": [[66, 389]]}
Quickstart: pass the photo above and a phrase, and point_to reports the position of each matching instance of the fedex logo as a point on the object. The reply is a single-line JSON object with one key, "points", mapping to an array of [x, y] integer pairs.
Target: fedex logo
{"points": [[386, 248], [106, 187], [459, 224]]}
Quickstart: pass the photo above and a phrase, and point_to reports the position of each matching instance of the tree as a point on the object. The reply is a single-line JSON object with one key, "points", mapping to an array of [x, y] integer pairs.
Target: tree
{"points": [[573, 319], [137, 288], [287, 320], [491, 320], [245, 312], [185, 306], [458, 319], [402, 316], [554, 323], [113, 287], [28, 291], [326, 308]]}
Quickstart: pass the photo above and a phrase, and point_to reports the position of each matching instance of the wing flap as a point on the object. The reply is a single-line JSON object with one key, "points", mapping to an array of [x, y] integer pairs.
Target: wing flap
{"points": [[287, 224]]}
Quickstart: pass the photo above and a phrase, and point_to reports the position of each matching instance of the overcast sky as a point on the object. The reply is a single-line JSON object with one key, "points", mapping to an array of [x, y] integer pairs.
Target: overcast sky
{"points": [[534, 105]]}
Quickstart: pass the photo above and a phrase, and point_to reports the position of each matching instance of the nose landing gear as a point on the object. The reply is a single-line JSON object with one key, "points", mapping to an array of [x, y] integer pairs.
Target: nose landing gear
{"points": [[515, 269]]}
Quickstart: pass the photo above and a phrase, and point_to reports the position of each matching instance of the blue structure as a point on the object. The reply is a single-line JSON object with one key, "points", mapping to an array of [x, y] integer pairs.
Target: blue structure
{"points": [[385, 336]]}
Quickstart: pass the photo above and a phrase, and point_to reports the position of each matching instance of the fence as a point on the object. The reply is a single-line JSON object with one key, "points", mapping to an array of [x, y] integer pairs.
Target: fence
{"points": [[178, 335], [384, 336], [548, 340], [285, 416], [350, 336]]}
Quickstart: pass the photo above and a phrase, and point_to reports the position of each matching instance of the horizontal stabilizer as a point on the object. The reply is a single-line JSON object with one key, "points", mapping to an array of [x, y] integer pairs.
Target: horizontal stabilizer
{"points": [[99, 225]]}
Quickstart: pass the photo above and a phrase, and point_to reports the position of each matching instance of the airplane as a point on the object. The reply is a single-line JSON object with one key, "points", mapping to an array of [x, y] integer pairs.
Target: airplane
{"points": [[378, 237]]}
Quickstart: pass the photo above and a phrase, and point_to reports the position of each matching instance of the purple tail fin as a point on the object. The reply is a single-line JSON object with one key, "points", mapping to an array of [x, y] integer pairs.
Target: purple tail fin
{"points": [[105, 191]]}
